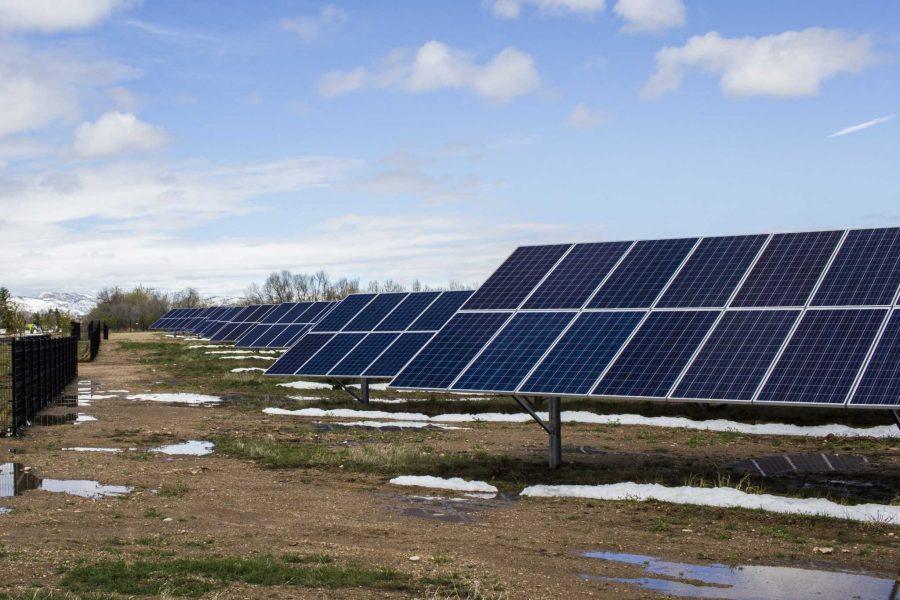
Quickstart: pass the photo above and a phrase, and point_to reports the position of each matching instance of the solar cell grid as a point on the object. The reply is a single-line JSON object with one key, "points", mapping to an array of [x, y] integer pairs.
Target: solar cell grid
{"points": [[514, 352], [823, 357], [516, 278], [788, 269], [880, 384], [643, 274], [348, 308], [582, 354], [299, 353], [355, 362], [398, 354], [654, 358], [737, 355], [269, 335], [325, 359], [866, 270], [437, 365], [714, 270], [408, 310], [296, 311], [374, 312], [576, 277], [440, 311], [316, 311], [289, 336]]}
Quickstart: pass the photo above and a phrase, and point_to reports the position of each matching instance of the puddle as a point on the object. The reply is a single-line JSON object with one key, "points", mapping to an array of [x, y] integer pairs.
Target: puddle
{"points": [[745, 582], [443, 508], [189, 448], [63, 419], [86, 449], [15, 480]]}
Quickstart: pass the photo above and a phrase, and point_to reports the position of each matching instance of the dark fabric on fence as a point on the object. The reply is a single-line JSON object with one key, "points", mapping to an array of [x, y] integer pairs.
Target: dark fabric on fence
{"points": [[41, 368]]}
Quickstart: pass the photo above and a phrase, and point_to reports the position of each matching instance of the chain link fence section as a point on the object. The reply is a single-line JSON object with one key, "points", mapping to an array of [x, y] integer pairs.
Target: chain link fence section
{"points": [[41, 368], [6, 385]]}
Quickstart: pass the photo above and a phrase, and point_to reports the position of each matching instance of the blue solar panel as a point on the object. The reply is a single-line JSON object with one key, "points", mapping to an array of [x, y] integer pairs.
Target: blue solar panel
{"points": [[276, 313], [514, 280], [344, 312], [250, 336], [299, 353], [316, 311], [514, 352], [656, 355], [397, 355], [325, 359], [866, 270], [291, 315], [880, 385], [450, 350], [737, 355], [269, 336], [408, 310], [289, 336], [788, 269], [362, 356], [583, 353], [372, 314], [440, 311], [710, 276], [577, 276], [825, 354], [639, 279]]}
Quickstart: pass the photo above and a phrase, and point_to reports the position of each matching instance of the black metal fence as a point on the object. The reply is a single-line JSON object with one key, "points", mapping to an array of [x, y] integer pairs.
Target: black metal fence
{"points": [[34, 370]]}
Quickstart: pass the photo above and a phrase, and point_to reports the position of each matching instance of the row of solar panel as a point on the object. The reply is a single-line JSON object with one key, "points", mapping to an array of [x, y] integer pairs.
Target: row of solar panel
{"points": [[370, 335], [281, 327], [860, 268]]}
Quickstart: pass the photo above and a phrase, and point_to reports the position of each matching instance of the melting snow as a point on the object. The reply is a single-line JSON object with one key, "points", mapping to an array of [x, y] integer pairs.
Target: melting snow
{"points": [[306, 385], [117, 391], [244, 357], [440, 483], [196, 399], [884, 431], [208, 346], [246, 369], [230, 352], [724, 497], [83, 418], [85, 449], [189, 448], [398, 424]]}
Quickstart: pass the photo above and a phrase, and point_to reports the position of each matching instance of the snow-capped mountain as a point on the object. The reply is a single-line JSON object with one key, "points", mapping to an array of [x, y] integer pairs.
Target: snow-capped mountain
{"points": [[76, 304]]}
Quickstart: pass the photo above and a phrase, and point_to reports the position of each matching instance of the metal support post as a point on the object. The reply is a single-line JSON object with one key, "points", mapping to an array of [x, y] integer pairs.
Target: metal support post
{"points": [[364, 389], [896, 414], [555, 433]]}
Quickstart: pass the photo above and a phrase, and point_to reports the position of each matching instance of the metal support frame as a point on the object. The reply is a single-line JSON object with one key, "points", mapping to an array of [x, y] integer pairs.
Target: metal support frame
{"points": [[896, 414], [553, 427], [362, 397]]}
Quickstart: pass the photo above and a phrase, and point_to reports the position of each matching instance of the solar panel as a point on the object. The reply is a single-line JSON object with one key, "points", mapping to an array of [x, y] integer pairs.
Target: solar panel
{"points": [[820, 363], [299, 353], [788, 269], [713, 272], [372, 312], [438, 364], [287, 337], [348, 308], [737, 355], [866, 270], [651, 362], [511, 283], [582, 354], [576, 277], [880, 383], [331, 353], [643, 274], [514, 352]]}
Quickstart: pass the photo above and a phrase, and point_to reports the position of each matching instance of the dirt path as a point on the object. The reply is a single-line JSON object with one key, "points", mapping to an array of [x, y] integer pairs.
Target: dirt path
{"points": [[517, 548]]}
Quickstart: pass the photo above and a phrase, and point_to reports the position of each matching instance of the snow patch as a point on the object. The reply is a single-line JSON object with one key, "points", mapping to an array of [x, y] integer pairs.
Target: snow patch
{"points": [[397, 424], [82, 418], [193, 399], [189, 448], [246, 369], [723, 497], [208, 346], [306, 385], [118, 391], [86, 449], [441, 483], [244, 357], [230, 352]]}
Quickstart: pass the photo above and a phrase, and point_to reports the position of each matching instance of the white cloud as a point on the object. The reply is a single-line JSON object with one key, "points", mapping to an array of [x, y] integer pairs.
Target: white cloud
{"points": [[650, 15], [49, 16], [789, 64], [861, 126], [511, 9], [308, 28], [117, 133], [337, 83], [583, 117], [436, 66]]}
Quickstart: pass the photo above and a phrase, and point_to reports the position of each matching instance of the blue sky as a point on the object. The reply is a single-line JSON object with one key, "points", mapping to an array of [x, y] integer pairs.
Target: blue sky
{"points": [[208, 143]]}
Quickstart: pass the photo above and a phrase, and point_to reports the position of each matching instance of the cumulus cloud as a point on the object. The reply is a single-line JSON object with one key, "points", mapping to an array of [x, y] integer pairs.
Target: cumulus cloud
{"points": [[117, 133], [309, 27], [511, 9], [861, 126], [650, 15], [50, 16], [436, 66], [583, 117], [789, 64]]}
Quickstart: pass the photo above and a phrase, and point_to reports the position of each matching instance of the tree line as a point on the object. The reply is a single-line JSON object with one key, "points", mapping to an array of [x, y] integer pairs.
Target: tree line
{"points": [[13, 320]]}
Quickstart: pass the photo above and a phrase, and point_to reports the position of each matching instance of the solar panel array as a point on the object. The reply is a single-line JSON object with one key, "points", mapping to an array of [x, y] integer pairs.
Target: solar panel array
{"points": [[807, 318], [369, 336], [281, 327], [179, 319]]}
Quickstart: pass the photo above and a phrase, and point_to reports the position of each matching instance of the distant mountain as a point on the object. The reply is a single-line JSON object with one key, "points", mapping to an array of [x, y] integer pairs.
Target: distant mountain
{"points": [[76, 304], [221, 300]]}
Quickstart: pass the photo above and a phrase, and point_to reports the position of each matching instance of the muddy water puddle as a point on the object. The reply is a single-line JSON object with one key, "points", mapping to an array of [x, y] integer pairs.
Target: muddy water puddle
{"points": [[16, 479], [448, 509], [744, 582], [69, 418]]}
